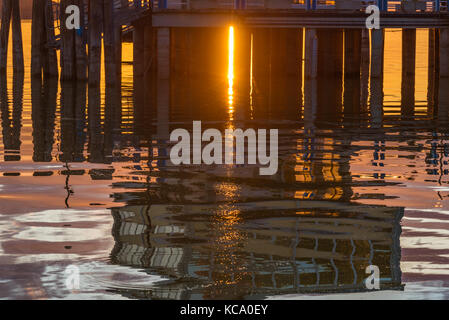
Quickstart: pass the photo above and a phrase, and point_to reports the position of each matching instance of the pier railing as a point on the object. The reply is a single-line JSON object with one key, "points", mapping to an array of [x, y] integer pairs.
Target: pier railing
{"points": [[409, 6]]}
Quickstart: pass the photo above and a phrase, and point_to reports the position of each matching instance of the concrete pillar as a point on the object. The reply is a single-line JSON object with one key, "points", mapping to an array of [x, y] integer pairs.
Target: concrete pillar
{"points": [[408, 72]]}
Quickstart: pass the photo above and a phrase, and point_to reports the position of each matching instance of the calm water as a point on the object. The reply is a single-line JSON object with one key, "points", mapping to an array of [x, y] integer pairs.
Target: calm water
{"points": [[85, 181]]}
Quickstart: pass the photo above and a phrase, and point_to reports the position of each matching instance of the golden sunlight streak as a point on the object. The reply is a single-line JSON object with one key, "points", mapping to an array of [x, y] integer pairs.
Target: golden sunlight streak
{"points": [[231, 44]]}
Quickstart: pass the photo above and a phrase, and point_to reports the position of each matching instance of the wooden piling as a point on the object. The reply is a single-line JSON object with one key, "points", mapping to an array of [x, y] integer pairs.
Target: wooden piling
{"points": [[352, 56], [408, 71], [4, 33], [109, 43], [80, 46], [433, 72], [95, 29], [37, 40], [311, 54], [444, 52], [138, 49], [364, 69], [163, 82], [17, 46], [377, 53], [50, 38], [67, 45]]}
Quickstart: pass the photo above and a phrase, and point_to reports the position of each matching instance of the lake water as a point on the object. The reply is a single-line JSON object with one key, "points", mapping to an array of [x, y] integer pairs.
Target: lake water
{"points": [[86, 184]]}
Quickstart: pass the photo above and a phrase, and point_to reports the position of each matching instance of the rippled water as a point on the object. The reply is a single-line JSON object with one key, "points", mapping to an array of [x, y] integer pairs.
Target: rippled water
{"points": [[94, 188]]}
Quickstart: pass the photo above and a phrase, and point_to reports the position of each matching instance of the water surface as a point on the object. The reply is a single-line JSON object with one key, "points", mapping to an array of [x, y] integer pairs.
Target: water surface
{"points": [[86, 181]]}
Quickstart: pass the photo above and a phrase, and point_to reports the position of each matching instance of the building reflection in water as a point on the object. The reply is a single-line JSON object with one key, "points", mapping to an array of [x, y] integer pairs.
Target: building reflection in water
{"points": [[221, 232]]}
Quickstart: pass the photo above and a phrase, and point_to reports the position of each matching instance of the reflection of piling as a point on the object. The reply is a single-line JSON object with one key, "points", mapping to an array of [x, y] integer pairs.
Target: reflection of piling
{"points": [[43, 100], [408, 72], [11, 123], [11, 13], [73, 114]]}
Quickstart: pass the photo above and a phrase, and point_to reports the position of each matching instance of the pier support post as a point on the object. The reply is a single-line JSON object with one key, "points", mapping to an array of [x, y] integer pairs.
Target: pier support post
{"points": [[352, 68], [11, 11], [330, 73], [408, 72], [163, 82], [242, 73], [43, 51], [95, 29], [444, 52], [109, 43], [311, 54], [67, 45], [377, 53], [4, 35], [364, 69], [433, 72], [353, 38]]}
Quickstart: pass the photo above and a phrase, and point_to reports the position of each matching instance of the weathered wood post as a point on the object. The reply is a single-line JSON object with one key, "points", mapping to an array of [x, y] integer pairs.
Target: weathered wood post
{"points": [[408, 71], [353, 51], [43, 43], [443, 86], [11, 9], [311, 54], [433, 71], [95, 30], [73, 48], [377, 53], [242, 73], [37, 39], [352, 66], [377, 71], [109, 43], [67, 45], [4, 36], [364, 69], [163, 82]]}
